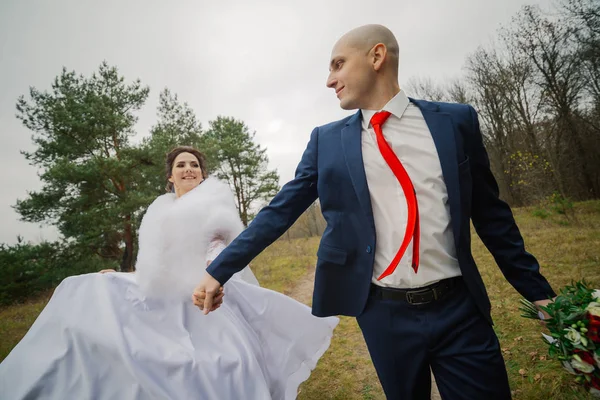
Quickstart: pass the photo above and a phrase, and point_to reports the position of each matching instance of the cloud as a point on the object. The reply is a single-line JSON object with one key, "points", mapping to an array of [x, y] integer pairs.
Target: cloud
{"points": [[264, 62]]}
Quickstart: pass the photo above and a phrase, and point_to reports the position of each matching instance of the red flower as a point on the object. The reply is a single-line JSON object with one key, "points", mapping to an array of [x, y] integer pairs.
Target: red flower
{"points": [[594, 334], [595, 383], [594, 321], [585, 356]]}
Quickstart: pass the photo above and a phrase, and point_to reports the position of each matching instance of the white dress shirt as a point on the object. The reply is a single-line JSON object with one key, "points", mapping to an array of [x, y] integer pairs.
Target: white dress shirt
{"points": [[407, 133]]}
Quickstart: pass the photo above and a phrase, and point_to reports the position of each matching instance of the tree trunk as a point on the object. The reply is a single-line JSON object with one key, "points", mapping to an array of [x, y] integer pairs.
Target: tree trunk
{"points": [[570, 124], [127, 261]]}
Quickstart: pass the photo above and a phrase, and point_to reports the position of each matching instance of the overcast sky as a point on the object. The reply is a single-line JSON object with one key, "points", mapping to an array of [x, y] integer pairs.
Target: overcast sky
{"points": [[264, 62]]}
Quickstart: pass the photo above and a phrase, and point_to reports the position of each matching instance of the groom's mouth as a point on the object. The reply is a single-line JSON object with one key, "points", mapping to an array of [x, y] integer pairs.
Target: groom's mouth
{"points": [[338, 91]]}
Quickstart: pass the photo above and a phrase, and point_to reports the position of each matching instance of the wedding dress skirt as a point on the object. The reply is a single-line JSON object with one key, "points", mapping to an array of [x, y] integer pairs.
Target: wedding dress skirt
{"points": [[100, 338]]}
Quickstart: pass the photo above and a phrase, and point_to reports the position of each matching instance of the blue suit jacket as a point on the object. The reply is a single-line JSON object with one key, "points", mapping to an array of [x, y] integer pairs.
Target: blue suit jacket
{"points": [[332, 170]]}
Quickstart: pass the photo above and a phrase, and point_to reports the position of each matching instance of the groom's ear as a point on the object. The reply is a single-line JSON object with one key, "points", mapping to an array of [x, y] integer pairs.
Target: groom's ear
{"points": [[379, 53]]}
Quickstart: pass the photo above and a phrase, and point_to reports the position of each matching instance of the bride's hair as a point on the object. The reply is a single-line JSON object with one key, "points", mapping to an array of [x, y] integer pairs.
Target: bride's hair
{"points": [[172, 155]]}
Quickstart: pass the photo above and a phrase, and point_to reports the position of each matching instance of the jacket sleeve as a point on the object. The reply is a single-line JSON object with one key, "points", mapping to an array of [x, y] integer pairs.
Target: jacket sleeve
{"points": [[495, 224], [273, 220]]}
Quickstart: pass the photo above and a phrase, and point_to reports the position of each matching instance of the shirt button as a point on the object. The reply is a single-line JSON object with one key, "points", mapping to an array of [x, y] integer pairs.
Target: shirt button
{"points": [[369, 249]]}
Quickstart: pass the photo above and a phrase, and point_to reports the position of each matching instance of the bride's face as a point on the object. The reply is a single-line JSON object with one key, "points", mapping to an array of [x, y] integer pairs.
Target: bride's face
{"points": [[186, 173]]}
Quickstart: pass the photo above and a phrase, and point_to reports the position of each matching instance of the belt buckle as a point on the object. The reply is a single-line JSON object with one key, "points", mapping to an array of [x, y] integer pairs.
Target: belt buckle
{"points": [[410, 297]]}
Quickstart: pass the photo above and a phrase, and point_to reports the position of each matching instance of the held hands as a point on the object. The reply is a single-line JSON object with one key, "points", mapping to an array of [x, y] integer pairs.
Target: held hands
{"points": [[208, 295]]}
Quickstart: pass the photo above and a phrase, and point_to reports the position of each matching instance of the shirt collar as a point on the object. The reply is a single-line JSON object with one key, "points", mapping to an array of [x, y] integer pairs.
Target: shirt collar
{"points": [[397, 105]]}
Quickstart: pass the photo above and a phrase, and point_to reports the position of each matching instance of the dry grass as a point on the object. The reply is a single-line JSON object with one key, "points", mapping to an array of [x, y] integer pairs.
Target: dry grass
{"points": [[16, 320], [566, 251], [284, 263]]}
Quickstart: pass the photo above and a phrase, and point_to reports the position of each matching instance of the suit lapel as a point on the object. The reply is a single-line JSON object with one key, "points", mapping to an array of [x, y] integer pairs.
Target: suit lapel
{"points": [[352, 146], [442, 130]]}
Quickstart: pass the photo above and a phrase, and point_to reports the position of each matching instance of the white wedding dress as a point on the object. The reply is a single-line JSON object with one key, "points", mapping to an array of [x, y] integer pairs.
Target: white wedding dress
{"points": [[138, 336]]}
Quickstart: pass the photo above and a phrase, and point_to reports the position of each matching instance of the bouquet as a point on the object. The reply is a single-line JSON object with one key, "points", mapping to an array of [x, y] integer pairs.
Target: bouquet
{"points": [[574, 326]]}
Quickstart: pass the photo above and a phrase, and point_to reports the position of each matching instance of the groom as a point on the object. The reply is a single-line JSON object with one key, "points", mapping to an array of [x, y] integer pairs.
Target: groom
{"points": [[398, 183]]}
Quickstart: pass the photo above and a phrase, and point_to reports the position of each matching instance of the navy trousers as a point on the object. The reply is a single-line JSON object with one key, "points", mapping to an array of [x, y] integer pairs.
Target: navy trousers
{"points": [[449, 335]]}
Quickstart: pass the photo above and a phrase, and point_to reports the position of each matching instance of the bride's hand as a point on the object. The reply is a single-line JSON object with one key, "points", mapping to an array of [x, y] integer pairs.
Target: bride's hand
{"points": [[104, 271], [199, 298], [208, 295]]}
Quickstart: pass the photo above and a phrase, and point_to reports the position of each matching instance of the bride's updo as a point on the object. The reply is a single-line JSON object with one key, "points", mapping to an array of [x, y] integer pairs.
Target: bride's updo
{"points": [[172, 155]]}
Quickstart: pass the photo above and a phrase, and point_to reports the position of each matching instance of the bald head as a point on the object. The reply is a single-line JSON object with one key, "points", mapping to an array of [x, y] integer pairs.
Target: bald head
{"points": [[363, 69], [365, 37]]}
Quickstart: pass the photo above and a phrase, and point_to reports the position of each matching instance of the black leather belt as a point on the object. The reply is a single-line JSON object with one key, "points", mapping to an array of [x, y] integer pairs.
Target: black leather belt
{"points": [[423, 295]]}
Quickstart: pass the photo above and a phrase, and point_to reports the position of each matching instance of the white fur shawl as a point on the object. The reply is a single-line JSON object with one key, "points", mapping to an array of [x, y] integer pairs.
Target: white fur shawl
{"points": [[175, 234]]}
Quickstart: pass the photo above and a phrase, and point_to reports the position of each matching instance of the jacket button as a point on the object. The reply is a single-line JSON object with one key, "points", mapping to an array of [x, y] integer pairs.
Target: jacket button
{"points": [[369, 249]]}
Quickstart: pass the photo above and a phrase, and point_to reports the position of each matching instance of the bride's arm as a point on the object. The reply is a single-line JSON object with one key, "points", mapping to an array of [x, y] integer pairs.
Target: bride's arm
{"points": [[215, 247]]}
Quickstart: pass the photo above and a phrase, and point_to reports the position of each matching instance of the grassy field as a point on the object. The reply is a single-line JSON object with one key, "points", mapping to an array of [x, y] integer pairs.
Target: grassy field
{"points": [[566, 250]]}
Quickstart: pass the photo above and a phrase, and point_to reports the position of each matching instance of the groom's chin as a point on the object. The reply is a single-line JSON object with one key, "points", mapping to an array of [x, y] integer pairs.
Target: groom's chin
{"points": [[347, 106]]}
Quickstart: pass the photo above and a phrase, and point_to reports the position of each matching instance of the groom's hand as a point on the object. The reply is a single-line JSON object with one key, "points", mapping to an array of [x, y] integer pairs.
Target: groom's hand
{"points": [[209, 289], [199, 297], [543, 303]]}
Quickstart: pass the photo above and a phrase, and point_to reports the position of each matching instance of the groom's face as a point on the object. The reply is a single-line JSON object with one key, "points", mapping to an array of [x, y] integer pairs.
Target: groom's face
{"points": [[350, 75]]}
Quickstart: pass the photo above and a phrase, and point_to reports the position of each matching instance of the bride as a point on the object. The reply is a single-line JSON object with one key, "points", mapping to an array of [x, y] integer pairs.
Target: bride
{"points": [[140, 336]]}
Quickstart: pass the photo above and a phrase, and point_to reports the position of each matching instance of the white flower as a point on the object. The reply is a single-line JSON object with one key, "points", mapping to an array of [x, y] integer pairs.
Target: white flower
{"points": [[593, 308], [573, 336], [595, 392], [582, 366], [568, 367], [596, 294]]}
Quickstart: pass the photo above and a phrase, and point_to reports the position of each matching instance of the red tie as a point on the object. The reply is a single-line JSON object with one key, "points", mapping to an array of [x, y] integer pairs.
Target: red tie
{"points": [[412, 226]]}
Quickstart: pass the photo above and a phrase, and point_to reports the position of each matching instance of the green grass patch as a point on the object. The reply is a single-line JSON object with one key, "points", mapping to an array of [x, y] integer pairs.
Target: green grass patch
{"points": [[565, 251]]}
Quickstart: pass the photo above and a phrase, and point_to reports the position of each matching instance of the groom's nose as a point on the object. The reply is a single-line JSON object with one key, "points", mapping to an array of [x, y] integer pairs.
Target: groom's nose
{"points": [[331, 82]]}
